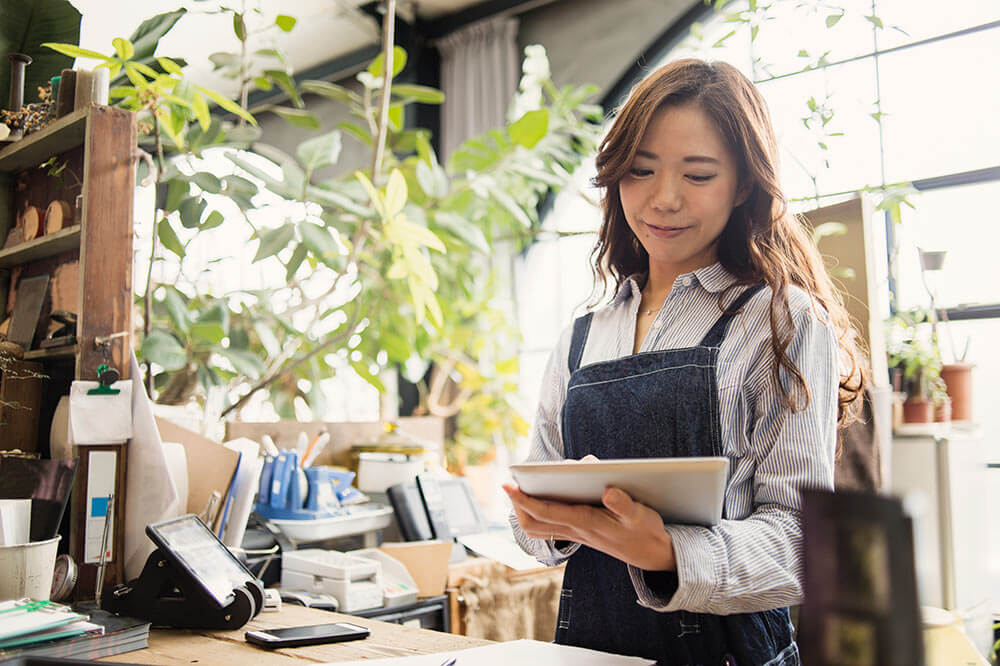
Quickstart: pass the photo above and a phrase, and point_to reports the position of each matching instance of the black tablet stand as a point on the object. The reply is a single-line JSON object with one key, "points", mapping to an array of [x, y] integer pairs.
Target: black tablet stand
{"points": [[168, 596]]}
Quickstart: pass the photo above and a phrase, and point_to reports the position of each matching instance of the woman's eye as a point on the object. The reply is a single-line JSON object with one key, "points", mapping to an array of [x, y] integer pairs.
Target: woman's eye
{"points": [[700, 179], [636, 171]]}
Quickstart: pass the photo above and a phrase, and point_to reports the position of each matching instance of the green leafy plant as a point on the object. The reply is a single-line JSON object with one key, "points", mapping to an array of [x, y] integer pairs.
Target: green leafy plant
{"points": [[391, 267], [918, 358]]}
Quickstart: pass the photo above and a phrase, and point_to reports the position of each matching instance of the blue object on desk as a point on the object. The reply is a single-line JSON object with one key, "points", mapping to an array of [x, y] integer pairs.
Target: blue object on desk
{"points": [[282, 482]]}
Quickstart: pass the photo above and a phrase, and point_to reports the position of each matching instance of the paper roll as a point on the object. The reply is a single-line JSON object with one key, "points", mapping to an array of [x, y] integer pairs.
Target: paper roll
{"points": [[60, 448]]}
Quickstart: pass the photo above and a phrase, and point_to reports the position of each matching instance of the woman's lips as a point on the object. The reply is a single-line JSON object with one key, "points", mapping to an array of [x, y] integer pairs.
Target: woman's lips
{"points": [[666, 232]]}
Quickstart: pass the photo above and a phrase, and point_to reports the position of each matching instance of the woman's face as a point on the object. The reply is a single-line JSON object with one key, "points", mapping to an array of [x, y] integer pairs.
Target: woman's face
{"points": [[680, 189]]}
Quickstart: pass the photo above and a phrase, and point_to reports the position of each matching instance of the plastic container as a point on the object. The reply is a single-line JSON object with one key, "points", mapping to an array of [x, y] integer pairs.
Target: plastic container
{"points": [[27, 569]]}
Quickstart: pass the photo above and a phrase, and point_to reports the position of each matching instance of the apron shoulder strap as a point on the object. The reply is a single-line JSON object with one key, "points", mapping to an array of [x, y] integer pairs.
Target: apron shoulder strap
{"points": [[581, 329], [718, 331]]}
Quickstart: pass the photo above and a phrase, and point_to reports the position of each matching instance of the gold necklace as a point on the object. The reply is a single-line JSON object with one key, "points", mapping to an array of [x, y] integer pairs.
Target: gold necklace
{"points": [[651, 310]]}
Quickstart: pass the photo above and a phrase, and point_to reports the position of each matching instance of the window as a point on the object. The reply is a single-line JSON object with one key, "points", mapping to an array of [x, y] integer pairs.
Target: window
{"points": [[909, 95]]}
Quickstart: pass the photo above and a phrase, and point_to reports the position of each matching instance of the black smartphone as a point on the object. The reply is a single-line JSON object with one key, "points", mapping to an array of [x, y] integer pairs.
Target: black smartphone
{"points": [[311, 635]]}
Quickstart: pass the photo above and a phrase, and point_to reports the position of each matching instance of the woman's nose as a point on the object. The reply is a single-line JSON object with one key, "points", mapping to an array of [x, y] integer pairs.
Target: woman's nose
{"points": [[666, 195]]}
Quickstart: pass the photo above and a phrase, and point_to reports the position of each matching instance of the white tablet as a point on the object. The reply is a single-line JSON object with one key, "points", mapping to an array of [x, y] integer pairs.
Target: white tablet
{"points": [[682, 490]]}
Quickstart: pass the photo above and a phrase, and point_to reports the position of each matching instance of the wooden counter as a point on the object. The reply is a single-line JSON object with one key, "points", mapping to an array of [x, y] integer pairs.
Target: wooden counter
{"points": [[179, 646]]}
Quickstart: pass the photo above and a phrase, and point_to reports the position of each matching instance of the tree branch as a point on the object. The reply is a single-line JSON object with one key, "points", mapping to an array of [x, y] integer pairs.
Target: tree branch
{"points": [[315, 351], [388, 38]]}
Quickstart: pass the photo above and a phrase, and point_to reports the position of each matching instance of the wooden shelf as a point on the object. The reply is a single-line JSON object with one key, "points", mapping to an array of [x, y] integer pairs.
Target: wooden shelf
{"points": [[66, 351], [40, 248], [65, 133]]}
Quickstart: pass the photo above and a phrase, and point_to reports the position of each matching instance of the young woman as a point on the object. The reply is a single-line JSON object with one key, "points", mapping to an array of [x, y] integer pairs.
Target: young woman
{"points": [[724, 337]]}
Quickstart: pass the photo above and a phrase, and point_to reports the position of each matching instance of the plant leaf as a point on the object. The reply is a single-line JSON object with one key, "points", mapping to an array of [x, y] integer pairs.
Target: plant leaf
{"points": [[319, 241], [377, 66], [274, 240], [285, 22], [298, 117], [123, 48], [362, 369], [331, 91], [74, 51], [320, 151], [416, 93], [210, 332], [214, 219], [163, 349], [165, 233], [201, 112], [530, 128], [147, 36], [285, 82], [208, 182], [177, 310], [191, 210], [227, 104], [246, 363], [395, 194], [240, 27]]}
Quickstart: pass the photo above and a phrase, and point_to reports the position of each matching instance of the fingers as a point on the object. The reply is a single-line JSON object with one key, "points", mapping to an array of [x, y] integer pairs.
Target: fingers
{"points": [[542, 519], [619, 502], [590, 458]]}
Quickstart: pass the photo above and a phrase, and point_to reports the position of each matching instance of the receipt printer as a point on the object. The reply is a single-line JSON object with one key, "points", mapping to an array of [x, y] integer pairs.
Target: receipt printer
{"points": [[356, 582]]}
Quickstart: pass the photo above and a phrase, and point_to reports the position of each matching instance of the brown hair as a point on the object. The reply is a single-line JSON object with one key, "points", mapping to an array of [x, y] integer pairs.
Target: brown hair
{"points": [[761, 242]]}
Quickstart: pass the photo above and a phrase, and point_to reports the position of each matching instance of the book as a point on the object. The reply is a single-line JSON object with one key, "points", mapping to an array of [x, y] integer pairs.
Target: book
{"points": [[62, 631], [120, 634], [20, 617]]}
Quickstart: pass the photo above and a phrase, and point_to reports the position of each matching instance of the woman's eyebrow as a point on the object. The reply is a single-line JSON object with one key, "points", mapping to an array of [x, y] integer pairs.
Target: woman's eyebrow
{"points": [[692, 159], [701, 158]]}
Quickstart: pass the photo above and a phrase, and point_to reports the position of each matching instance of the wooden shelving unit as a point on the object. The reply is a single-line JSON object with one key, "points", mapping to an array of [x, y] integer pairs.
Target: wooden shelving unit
{"points": [[62, 135], [90, 268], [41, 248]]}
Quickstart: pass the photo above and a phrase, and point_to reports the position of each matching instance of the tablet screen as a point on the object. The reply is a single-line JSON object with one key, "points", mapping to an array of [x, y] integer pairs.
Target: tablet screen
{"points": [[189, 542]]}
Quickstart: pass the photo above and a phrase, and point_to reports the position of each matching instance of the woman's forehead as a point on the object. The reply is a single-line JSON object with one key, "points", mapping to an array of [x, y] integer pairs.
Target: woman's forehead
{"points": [[683, 129]]}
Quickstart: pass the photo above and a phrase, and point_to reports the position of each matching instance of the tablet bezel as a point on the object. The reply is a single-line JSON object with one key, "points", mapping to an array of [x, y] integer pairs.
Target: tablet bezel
{"points": [[699, 479], [158, 536]]}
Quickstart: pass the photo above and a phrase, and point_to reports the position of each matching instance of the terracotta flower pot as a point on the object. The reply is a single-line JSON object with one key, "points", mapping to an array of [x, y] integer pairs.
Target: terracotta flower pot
{"points": [[958, 379], [916, 410]]}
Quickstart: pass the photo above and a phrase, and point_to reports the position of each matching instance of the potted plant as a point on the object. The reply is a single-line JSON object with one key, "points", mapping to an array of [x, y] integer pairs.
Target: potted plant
{"points": [[915, 367]]}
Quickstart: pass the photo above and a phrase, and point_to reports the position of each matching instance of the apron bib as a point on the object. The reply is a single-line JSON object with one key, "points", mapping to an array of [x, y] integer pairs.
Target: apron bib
{"points": [[658, 404]]}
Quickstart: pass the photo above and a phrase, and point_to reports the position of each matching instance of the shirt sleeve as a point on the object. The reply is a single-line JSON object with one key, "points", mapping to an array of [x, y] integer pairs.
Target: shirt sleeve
{"points": [[754, 564], [547, 444]]}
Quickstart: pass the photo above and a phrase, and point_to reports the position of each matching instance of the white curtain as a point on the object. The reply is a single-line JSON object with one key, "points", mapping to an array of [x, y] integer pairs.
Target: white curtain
{"points": [[480, 70]]}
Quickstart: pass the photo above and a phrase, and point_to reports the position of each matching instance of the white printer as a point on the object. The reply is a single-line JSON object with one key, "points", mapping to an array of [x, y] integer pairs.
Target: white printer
{"points": [[356, 582]]}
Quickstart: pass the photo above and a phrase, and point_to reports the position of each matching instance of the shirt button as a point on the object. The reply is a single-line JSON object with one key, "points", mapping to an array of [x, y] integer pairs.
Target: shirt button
{"points": [[686, 282]]}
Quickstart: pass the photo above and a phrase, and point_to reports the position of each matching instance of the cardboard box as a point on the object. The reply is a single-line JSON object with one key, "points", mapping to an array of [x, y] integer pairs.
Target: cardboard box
{"points": [[427, 562]]}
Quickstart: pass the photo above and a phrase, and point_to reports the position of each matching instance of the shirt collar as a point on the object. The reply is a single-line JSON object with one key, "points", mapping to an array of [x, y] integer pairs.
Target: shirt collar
{"points": [[712, 278]]}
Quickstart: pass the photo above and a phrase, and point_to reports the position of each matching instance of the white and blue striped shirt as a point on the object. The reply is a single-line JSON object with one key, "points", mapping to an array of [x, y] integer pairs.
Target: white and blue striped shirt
{"points": [[751, 561]]}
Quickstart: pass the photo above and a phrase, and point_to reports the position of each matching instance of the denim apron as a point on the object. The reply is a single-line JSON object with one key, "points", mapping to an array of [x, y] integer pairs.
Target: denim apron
{"points": [[653, 405]]}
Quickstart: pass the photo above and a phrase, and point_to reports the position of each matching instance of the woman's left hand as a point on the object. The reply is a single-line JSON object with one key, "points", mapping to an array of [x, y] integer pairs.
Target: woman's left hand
{"points": [[622, 528]]}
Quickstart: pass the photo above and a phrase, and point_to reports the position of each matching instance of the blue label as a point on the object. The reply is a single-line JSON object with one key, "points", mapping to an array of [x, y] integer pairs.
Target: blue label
{"points": [[98, 507]]}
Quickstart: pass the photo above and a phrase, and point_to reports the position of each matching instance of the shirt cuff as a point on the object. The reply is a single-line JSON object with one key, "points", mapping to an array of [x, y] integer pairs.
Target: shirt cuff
{"points": [[696, 577]]}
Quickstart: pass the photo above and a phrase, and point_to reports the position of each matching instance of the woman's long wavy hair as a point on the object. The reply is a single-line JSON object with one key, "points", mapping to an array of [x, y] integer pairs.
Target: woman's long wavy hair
{"points": [[761, 242]]}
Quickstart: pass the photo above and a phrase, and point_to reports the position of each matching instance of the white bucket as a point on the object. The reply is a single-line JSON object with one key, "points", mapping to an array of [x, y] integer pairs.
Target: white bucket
{"points": [[26, 569]]}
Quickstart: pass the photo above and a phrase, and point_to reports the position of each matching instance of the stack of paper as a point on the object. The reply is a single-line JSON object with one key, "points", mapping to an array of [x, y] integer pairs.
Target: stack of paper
{"points": [[23, 622], [46, 629]]}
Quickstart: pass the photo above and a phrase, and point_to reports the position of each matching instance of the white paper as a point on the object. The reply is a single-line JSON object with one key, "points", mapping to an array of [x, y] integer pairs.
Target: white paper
{"points": [[243, 488], [150, 490], [522, 653], [15, 522], [500, 545], [100, 419]]}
